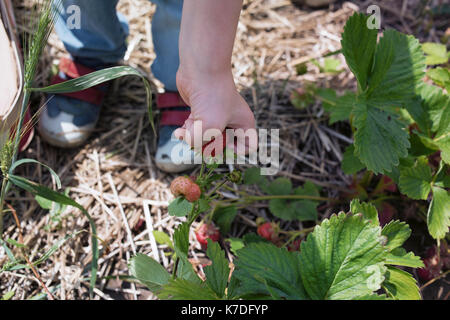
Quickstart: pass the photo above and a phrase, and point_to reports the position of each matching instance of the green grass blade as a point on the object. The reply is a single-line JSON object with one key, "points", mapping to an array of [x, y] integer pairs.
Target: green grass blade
{"points": [[24, 161], [48, 254], [55, 247], [8, 252], [8, 295], [98, 77], [49, 194]]}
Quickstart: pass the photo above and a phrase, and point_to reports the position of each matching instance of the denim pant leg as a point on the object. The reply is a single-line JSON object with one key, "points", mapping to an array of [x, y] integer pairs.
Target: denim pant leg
{"points": [[103, 32], [166, 32], [102, 36]]}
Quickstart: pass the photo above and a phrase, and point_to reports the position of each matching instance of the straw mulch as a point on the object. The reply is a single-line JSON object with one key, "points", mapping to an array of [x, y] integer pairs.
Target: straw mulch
{"points": [[114, 176]]}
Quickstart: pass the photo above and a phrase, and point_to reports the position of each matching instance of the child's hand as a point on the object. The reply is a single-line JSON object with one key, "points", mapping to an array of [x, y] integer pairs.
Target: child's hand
{"points": [[215, 101], [204, 79]]}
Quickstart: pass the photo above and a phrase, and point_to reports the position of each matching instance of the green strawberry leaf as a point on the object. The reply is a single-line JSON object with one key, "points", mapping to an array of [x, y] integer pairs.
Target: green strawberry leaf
{"points": [[302, 210], [253, 238], [399, 257], [444, 145], [440, 76], [163, 238], [437, 105], [235, 244], [332, 65], [203, 205], [380, 140], [419, 113], [398, 68], [343, 108], [418, 148], [358, 46], [372, 297], [224, 217], [442, 179], [308, 189], [180, 207], [182, 289], [252, 175], [342, 259], [350, 163], [181, 246], [396, 232], [400, 285], [263, 268], [368, 211], [280, 187], [148, 271], [438, 218], [436, 53], [217, 274], [415, 181], [340, 108], [427, 142], [181, 238]]}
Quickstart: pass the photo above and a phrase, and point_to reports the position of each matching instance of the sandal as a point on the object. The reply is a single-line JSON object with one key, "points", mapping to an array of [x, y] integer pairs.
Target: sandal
{"points": [[172, 155], [70, 118]]}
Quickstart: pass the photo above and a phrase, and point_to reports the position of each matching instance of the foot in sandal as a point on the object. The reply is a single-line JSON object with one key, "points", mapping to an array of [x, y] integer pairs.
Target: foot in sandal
{"points": [[68, 120]]}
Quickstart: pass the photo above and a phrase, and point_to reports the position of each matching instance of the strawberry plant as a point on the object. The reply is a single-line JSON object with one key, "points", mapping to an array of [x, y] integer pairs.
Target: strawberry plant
{"points": [[399, 122], [348, 256]]}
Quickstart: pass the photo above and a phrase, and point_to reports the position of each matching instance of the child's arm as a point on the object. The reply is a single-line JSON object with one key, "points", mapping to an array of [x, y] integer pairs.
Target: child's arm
{"points": [[205, 78]]}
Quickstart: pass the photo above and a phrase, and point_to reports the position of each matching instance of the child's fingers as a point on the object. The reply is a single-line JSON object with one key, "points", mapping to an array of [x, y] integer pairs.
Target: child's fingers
{"points": [[197, 133], [215, 147]]}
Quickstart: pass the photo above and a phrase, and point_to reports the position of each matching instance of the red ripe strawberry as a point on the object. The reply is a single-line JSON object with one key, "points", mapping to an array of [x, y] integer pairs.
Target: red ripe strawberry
{"points": [[295, 245], [424, 273], [432, 269], [267, 231], [389, 184], [386, 213], [434, 262], [205, 232], [186, 187]]}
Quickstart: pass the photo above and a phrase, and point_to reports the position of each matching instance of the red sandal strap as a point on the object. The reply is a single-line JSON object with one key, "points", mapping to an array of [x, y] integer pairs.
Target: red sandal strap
{"points": [[174, 118], [74, 70], [170, 100]]}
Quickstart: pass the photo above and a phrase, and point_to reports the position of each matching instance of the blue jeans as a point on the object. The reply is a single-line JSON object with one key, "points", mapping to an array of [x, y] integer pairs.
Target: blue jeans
{"points": [[101, 40]]}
